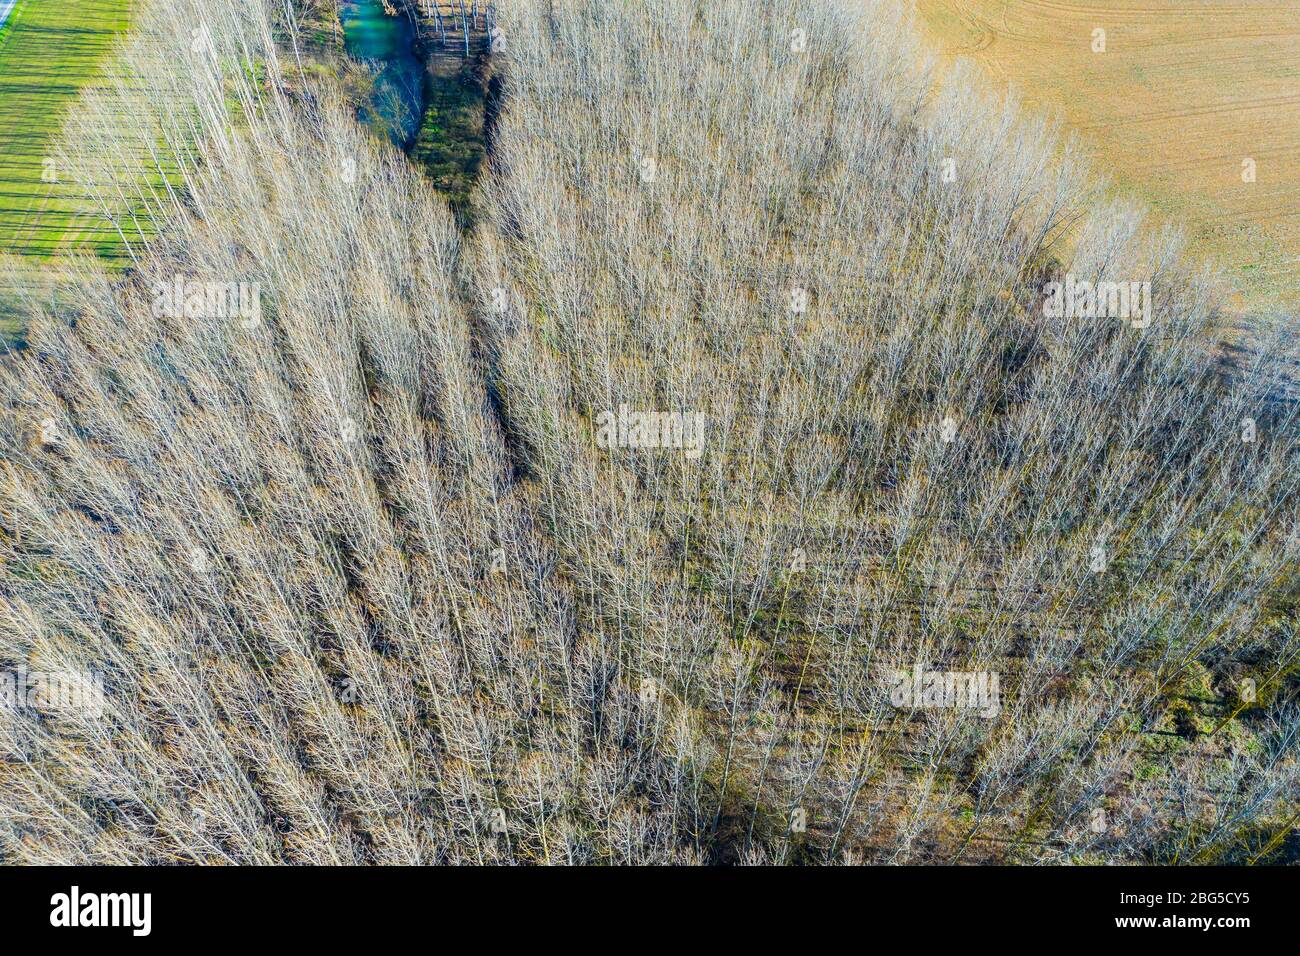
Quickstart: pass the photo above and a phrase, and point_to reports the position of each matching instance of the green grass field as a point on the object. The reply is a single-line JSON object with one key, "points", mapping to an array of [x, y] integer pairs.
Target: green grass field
{"points": [[50, 50]]}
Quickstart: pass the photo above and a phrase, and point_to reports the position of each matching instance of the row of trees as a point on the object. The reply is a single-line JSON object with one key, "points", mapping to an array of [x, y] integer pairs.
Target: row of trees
{"points": [[365, 585], [758, 214]]}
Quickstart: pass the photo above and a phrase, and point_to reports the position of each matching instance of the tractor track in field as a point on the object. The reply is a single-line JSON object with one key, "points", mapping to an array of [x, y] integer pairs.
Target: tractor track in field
{"points": [[1168, 111]]}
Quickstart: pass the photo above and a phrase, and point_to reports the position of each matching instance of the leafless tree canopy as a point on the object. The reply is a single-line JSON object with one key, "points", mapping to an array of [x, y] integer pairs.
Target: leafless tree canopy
{"points": [[365, 583]]}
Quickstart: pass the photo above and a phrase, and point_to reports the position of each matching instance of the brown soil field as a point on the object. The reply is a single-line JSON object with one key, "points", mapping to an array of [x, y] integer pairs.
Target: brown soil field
{"points": [[1184, 93]]}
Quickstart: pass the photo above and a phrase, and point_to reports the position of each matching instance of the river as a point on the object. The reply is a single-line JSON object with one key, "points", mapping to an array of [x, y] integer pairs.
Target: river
{"points": [[388, 42]]}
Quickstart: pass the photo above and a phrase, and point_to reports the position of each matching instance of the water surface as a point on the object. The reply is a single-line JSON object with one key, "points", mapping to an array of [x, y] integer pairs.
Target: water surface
{"points": [[387, 42]]}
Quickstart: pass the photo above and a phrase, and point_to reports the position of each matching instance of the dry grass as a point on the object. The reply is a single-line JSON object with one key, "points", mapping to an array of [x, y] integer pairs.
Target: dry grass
{"points": [[1183, 93]]}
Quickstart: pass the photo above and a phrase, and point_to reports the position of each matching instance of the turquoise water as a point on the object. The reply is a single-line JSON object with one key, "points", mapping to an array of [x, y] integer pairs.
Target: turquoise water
{"points": [[6, 7], [389, 43]]}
